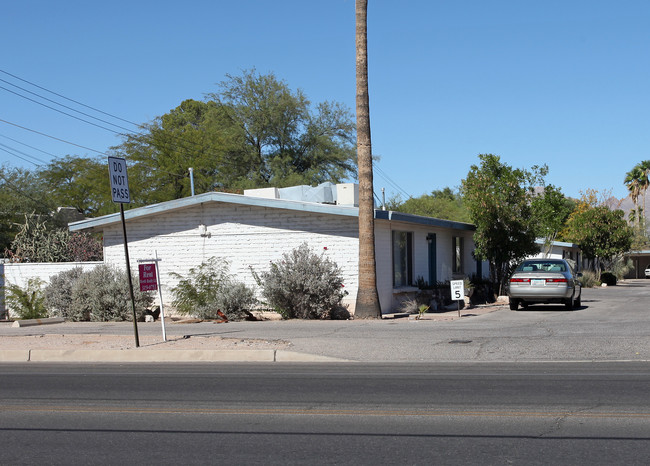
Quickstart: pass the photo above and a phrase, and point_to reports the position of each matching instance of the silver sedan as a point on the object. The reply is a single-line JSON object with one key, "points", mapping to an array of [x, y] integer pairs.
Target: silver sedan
{"points": [[542, 281]]}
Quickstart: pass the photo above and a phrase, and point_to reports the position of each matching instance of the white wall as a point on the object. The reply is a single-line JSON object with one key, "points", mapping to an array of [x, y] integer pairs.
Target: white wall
{"points": [[247, 236], [19, 274], [389, 297]]}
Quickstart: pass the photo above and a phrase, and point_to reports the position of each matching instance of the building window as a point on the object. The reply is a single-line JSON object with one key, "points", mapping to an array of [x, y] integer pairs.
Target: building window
{"points": [[457, 254], [402, 258]]}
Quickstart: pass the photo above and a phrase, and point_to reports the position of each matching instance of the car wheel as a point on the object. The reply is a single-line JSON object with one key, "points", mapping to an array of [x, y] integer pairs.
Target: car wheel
{"points": [[568, 304], [514, 304], [578, 301]]}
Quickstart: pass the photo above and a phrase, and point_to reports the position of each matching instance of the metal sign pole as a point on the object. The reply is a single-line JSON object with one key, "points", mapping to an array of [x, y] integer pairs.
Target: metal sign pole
{"points": [[157, 286], [162, 310], [128, 273], [117, 174]]}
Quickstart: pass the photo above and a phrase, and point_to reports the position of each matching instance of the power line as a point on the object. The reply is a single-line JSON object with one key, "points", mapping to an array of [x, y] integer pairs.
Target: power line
{"points": [[69, 99], [58, 103], [383, 174], [53, 137], [13, 151], [27, 145], [60, 111]]}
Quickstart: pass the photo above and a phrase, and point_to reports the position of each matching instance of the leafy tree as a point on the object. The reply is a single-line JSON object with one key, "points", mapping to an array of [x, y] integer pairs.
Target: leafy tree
{"points": [[79, 182], [21, 193], [499, 198], [602, 233], [441, 203], [197, 135], [254, 132], [551, 210], [286, 143]]}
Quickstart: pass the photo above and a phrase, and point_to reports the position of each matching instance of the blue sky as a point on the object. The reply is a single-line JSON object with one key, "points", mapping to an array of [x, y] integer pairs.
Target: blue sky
{"points": [[564, 83]]}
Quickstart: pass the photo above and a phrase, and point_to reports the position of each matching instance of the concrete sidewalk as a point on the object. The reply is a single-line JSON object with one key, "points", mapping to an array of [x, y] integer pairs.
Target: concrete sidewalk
{"points": [[266, 341]]}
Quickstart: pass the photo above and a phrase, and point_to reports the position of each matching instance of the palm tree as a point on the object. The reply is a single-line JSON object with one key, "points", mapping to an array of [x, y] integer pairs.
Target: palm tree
{"points": [[367, 304], [633, 181], [644, 182]]}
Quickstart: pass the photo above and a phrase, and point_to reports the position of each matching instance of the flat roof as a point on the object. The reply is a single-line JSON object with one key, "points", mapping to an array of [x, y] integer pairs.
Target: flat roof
{"points": [[215, 197]]}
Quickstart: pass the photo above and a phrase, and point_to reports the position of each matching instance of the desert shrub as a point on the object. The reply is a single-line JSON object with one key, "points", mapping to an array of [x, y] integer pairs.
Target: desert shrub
{"points": [[209, 288], [40, 241], [58, 294], [589, 279], [303, 285], [102, 295], [608, 278], [28, 302], [621, 266]]}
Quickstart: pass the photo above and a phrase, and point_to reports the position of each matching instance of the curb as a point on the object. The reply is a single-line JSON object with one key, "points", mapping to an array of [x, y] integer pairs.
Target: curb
{"points": [[14, 356], [31, 322], [140, 356]]}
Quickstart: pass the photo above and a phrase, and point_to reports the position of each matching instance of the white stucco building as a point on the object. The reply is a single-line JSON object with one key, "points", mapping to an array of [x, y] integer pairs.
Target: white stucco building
{"points": [[254, 229]]}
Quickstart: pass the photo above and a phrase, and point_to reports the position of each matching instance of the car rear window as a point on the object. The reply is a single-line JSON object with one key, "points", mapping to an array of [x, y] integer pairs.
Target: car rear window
{"points": [[542, 266]]}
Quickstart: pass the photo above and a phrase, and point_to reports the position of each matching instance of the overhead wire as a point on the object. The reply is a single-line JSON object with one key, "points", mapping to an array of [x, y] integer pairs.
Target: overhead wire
{"points": [[13, 151], [392, 183], [68, 99], [58, 103], [27, 145]]}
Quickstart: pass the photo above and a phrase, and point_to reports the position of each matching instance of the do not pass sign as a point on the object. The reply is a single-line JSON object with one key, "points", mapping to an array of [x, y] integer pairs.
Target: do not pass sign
{"points": [[148, 280], [119, 180]]}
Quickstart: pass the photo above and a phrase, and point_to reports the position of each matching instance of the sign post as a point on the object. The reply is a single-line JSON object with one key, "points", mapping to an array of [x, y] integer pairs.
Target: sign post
{"points": [[150, 281], [457, 292], [120, 194]]}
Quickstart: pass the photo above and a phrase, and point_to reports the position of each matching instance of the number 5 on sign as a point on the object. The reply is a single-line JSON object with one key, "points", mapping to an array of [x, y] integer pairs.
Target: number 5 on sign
{"points": [[457, 290]]}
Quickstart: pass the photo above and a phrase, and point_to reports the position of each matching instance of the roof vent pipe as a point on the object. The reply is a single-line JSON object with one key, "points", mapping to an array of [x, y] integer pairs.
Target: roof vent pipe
{"points": [[191, 180]]}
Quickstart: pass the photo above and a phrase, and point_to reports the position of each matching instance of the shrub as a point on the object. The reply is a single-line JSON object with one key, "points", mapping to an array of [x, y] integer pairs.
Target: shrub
{"points": [[608, 278], [589, 279], [209, 288], [58, 294], [621, 266], [39, 241], [303, 285], [28, 303], [102, 295]]}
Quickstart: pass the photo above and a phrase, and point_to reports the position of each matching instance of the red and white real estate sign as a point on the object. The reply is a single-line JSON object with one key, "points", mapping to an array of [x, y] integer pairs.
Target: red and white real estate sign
{"points": [[148, 280]]}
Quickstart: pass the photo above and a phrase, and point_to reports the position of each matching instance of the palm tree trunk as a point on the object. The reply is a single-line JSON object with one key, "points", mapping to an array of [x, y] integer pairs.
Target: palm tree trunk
{"points": [[367, 303]]}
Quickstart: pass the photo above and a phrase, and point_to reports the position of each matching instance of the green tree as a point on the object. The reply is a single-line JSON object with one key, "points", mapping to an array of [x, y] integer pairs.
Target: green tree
{"points": [[441, 203], [286, 143], [550, 209], [499, 198], [197, 135], [21, 193], [79, 182], [602, 233]]}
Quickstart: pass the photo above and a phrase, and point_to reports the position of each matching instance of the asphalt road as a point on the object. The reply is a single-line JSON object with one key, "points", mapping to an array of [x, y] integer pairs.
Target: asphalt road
{"points": [[612, 325], [409, 413]]}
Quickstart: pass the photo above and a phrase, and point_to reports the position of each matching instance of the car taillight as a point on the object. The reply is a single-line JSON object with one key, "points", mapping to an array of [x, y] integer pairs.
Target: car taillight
{"points": [[520, 280], [556, 280]]}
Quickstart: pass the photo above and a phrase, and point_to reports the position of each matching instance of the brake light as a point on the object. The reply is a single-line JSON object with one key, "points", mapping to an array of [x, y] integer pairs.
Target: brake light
{"points": [[556, 280], [520, 280]]}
